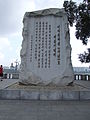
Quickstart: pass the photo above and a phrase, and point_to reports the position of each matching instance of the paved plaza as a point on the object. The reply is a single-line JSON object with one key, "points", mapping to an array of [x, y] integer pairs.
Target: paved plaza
{"points": [[44, 110], [7, 82]]}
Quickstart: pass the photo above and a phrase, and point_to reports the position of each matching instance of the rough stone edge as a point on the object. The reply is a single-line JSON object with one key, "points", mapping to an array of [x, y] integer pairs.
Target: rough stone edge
{"points": [[44, 95], [45, 12], [68, 73]]}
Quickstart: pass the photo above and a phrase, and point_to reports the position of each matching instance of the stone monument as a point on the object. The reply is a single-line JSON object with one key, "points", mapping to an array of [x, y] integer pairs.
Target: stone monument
{"points": [[46, 50]]}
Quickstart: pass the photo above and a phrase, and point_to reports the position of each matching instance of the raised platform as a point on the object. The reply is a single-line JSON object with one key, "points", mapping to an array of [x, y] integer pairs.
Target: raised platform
{"points": [[44, 95], [22, 92]]}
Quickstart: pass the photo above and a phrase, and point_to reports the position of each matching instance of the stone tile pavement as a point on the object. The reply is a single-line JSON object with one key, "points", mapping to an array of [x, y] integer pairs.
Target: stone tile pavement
{"points": [[82, 83], [7, 82], [44, 110]]}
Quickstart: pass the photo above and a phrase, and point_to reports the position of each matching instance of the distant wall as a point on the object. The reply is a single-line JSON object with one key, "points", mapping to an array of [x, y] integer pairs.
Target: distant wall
{"points": [[11, 76], [81, 77]]}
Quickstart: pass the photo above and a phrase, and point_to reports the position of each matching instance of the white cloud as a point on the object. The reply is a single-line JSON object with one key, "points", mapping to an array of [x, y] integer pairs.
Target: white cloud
{"points": [[42, 4], [5, 49], [5, 44], [12, 12], [1, 56]]}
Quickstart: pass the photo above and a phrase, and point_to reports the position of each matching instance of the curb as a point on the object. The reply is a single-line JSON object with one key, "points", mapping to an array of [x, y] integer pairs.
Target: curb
{"points": [[43, 95]]}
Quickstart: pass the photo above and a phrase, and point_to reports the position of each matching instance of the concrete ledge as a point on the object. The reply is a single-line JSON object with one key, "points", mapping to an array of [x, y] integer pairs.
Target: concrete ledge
{"points": [[51, 95], [71, 95], [85, 95], [9, 94], [29, 95], [44, 95]]}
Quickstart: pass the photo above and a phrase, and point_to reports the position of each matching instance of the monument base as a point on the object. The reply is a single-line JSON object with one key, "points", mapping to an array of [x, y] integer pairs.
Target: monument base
{"points": [[31, 92], [36, 81], [63, 79]]}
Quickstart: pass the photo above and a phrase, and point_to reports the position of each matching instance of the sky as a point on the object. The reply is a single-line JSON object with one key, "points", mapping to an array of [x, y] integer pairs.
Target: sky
{"points": [[11, 17]]}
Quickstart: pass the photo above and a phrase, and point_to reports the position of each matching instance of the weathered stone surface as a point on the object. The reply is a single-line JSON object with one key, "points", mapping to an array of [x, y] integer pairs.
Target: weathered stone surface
{"points": [[70, 95], [46, 50], [85, 95], [44, 95], [27, 94], [51, 95], [9, 94]]}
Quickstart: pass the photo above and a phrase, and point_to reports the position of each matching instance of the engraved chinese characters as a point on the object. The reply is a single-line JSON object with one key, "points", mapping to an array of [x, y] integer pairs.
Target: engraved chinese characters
{"points": [[56, 47], [42, 44], [46, 50], [42, 50]]}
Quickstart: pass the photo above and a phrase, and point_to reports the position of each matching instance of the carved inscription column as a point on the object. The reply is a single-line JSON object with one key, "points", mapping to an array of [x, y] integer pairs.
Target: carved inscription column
{"points": [[56, 45], [36, 39], [49, 46], [39, 44], [42, 58], [31, 40], [46, 39]]}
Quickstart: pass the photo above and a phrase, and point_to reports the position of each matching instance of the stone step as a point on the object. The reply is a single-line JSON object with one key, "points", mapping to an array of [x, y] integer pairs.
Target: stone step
{"points": [[44, 95]]}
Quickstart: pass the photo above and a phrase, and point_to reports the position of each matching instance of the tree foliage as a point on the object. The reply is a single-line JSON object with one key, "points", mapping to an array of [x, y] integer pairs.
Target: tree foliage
{"points": [[80, 15], [85, 58]]}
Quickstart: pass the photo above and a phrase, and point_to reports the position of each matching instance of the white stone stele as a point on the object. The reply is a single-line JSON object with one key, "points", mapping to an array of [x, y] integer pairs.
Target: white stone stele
{"points": [[46, 50]]}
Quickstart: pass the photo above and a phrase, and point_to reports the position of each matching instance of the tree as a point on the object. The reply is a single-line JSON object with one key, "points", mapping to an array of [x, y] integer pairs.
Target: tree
{"points": [[85, 58], [80, 14]]}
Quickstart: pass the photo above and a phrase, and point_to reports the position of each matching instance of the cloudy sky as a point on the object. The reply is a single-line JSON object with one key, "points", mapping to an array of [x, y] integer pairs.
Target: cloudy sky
{"points": [[11, 16]]}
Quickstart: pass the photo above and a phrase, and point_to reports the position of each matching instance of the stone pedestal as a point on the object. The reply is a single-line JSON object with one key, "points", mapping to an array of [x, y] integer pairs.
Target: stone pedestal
{"points": [[46, 50]]}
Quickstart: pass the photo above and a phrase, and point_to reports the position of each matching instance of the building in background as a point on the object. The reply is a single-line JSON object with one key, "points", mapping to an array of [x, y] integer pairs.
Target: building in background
{"points": [[11, 72], [81, 73]]}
